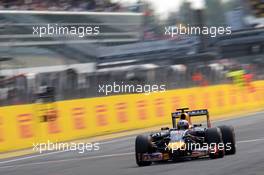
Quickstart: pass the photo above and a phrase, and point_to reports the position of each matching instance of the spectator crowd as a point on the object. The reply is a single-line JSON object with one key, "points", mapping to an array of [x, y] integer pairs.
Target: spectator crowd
{"points": [[64, 5]]}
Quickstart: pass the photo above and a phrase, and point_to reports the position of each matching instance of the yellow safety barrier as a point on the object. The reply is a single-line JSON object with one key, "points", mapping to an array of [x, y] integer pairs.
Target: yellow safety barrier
{"points": [[23, 125]]}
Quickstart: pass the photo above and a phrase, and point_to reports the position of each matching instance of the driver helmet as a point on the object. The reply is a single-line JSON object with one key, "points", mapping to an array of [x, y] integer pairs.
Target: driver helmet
{"points": [[183, 124], [184, 116]]}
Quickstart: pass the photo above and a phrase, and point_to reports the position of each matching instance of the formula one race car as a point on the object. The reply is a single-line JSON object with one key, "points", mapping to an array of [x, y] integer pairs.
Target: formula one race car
{"points": [[185, 140]]}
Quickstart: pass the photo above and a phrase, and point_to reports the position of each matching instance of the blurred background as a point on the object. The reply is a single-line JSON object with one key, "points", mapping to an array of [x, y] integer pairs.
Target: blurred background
{"points": [[131, 48]]}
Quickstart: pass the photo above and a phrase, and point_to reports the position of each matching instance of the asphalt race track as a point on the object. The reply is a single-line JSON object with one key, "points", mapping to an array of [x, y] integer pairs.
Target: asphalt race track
{"points": [[116, 157]]}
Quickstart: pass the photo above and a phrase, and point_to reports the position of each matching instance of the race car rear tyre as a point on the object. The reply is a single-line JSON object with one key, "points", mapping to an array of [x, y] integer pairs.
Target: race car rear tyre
{"points": [[229, 140], [142, 145], [213, 137]]}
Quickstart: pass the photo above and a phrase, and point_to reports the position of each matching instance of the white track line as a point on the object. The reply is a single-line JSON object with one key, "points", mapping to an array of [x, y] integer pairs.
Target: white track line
{"points": [[30, 157], [67, 160], [248, 141], [93, 157], [117, 140], [58, 152]]}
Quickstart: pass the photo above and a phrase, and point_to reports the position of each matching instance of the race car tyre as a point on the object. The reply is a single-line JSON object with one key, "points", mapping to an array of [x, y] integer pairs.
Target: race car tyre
{"points": [[229, 140], [213, 137], [142, 145]]}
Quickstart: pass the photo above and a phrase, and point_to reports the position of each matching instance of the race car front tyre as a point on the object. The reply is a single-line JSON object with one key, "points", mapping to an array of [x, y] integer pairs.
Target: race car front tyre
{"points": [[213, 138], [228, 135], [142, 145]]}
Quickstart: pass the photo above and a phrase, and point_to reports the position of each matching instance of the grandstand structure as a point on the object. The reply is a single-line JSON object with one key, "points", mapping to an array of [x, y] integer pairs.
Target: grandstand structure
{"points": [[75, 65], [57, 60], [115, 28]]}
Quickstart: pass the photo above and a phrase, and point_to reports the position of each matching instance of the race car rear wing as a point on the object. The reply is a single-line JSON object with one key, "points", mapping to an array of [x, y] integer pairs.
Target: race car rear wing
{"points": [[191, 113]]}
